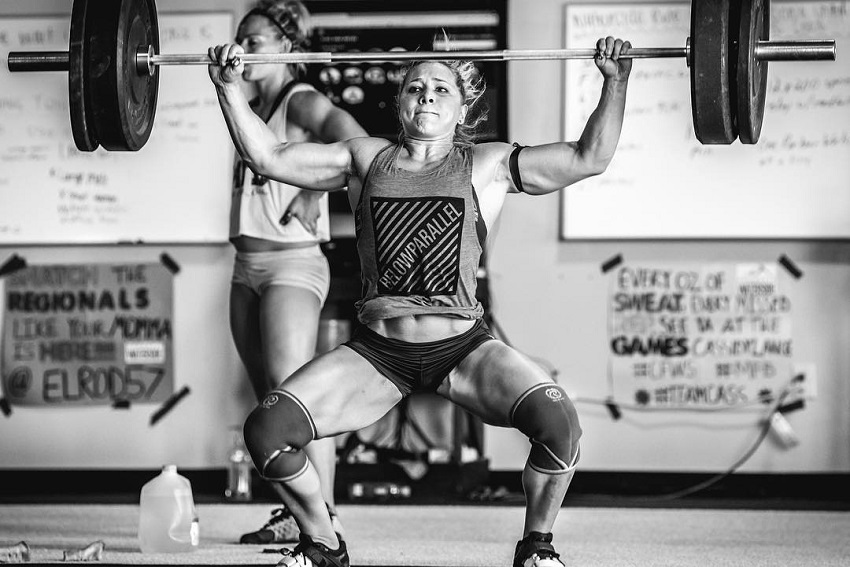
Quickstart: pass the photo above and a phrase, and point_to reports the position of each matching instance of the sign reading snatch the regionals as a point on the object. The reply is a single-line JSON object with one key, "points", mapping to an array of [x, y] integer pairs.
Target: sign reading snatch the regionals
{"points": [[88, 334]]}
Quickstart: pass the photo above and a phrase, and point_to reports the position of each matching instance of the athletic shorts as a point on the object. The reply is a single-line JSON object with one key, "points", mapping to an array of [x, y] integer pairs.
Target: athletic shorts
{"points": [[306, 268], [417, 366]]}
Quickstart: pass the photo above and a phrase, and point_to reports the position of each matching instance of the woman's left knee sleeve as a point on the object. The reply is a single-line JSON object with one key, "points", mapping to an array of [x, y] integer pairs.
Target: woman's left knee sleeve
{"points": [[547, 416], [275, 435]]}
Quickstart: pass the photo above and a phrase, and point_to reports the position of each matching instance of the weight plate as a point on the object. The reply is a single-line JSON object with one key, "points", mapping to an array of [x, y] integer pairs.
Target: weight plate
{"points": [[122, 100], [752, 74], [84, 137], [712, 98]]}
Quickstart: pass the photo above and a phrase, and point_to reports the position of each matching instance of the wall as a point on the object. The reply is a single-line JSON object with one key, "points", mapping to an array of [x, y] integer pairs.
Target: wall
{"points": [[195, 433], [567, 326], [550, 297]]}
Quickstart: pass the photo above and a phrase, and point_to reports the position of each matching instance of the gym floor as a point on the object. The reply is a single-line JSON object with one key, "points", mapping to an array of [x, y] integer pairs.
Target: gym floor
{"points": [[607, 519], [458, 535]]}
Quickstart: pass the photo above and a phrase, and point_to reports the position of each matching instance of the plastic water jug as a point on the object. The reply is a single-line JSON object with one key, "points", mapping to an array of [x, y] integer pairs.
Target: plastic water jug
{"points": [[168, 522]]}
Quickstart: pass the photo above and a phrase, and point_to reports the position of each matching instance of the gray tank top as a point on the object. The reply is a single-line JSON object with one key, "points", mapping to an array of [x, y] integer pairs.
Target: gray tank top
{"points": [[420, 237]]}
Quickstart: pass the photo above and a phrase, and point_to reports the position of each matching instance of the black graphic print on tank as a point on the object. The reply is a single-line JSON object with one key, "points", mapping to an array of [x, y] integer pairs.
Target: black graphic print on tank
{"points": [[418, 244]]}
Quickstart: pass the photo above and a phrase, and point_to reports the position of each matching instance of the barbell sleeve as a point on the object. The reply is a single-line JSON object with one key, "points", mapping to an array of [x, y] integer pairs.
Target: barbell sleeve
{"points": [[800, 50], [26, 61]]}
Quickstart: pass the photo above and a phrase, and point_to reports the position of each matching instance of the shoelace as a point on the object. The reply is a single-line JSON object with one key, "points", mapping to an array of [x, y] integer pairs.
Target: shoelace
{"points": [[275, 524], [544, 553], [298, 553], [299, 557], [547, 554]]}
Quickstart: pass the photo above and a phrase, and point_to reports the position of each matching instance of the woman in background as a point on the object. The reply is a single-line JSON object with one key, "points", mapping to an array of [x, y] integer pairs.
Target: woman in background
{"points": [[280, 277]]}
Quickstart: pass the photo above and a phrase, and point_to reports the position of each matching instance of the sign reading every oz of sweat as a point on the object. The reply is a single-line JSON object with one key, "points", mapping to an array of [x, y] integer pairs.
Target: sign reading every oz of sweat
{"points": [[698, 336], [88, 334]]}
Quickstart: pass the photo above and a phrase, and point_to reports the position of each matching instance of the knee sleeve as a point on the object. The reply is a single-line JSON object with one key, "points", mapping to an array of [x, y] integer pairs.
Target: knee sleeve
{"points": [[275, 435], [547, 416]]}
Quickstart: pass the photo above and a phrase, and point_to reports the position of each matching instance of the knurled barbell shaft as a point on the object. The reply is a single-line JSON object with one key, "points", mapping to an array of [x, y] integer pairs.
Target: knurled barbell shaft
{"points": [[800, 50], [388, 56]]}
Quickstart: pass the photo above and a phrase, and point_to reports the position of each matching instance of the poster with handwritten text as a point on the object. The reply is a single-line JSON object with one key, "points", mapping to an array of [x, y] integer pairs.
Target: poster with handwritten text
{"points": [[694, 336], [88, 334], [664, 184]]}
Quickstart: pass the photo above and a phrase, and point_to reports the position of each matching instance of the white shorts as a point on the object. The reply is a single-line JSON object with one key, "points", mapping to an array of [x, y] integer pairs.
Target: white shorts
{"points": [[306, 268]]}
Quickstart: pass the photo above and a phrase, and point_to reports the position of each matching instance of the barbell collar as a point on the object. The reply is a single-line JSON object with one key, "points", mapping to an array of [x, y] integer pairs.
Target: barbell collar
{"points": [[144, 60]]}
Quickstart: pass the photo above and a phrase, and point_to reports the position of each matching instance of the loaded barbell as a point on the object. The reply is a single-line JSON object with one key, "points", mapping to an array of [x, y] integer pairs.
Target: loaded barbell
{"points": [[113, 57]]}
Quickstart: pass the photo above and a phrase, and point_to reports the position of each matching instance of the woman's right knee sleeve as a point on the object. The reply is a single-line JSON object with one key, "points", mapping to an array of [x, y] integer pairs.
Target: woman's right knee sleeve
{"points": [[275, 435]]}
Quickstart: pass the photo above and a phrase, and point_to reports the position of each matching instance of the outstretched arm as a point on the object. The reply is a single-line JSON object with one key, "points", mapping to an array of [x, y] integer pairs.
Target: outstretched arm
{"points": [[550, 167], [315, 113], [321, 167]]}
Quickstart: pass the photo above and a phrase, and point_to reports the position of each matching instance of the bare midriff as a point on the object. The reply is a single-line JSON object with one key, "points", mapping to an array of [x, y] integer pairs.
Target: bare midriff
{"points": [[421, 328], [251, 244]]}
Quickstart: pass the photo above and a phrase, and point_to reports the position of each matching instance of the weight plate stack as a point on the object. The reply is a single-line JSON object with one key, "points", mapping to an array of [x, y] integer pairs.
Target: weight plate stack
{"points": [[122, 99], [752, 74], [712, 98], [81, 118]]}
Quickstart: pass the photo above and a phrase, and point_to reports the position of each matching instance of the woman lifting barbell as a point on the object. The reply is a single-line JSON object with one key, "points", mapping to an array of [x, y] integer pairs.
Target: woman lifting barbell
{"points": [[422, 207]]}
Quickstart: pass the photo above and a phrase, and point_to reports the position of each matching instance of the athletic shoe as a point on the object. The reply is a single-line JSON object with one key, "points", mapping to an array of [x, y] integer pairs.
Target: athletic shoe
{"points": [[535, 550], [309, 553], [282, 528]]}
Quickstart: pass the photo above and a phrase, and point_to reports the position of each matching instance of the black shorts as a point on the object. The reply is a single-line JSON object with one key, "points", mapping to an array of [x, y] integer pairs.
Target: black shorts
{"points": [[416, 366]]}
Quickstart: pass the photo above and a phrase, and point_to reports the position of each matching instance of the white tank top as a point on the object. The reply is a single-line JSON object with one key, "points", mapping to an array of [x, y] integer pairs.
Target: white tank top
{"points": [[258, 203]]}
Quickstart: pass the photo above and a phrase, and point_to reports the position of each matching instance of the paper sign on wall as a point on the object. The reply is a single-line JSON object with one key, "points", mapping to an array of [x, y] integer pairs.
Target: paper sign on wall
{"points": [[88, 334], [698, 336]]}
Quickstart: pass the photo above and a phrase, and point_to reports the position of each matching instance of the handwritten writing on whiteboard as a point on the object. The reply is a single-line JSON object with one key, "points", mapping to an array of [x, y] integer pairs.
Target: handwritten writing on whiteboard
{"points": [[175, 189], [664, 184]]}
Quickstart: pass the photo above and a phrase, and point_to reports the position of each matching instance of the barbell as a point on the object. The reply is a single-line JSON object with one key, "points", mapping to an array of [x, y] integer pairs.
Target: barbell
{"points": [[113, 56]]}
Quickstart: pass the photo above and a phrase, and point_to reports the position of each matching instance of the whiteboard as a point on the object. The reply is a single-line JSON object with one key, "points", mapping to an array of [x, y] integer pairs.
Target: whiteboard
{"points": [[663, 184], [175, 189]]}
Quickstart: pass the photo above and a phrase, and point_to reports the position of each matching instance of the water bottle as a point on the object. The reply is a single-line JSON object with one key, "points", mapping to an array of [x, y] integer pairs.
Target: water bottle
{"points": [[239, 467], [168, 522]]}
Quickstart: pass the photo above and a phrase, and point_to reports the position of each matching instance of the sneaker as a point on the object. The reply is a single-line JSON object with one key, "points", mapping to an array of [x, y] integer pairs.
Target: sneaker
{"points": [[535, 550], [309, 553], [281, 528]]}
